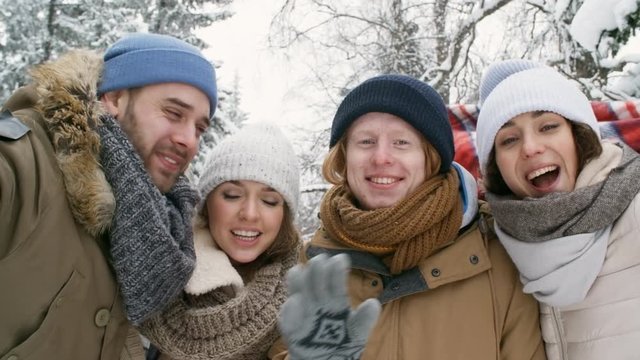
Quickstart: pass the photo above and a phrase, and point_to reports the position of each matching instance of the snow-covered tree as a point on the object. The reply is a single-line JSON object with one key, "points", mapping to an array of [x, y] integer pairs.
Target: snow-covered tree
{"points": [[444, 42], [229, 117], [35, 31], [354, 40], [313, 147], [448, 43], [603, 28], [544, 30], [181, 17]]}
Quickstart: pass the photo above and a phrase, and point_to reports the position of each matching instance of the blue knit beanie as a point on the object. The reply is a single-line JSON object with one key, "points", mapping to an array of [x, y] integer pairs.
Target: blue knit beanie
{"points": [[410, 99], [141, 59]]}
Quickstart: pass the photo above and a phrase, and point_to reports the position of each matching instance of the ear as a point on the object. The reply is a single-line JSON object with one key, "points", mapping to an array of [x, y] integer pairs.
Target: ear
{"points": [[115, 102]]}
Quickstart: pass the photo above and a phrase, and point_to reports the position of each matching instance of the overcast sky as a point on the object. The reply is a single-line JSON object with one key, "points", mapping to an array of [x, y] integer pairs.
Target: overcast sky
{"points": [[267, 82], [269, 85]]}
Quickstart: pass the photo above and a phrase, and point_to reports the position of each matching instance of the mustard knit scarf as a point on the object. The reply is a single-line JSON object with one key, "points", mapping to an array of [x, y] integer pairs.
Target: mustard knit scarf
{"points": [[405, 233]]}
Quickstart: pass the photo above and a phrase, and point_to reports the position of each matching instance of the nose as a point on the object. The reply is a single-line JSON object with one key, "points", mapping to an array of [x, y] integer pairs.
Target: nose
{"points": [[249, 210], [531, 146], [382, 155], [185, 136]]}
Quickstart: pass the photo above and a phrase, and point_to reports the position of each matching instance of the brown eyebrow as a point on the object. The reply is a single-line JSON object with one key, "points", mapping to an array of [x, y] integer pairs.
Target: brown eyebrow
{"points": [[535, 114], [507, 124], [184, 105]]}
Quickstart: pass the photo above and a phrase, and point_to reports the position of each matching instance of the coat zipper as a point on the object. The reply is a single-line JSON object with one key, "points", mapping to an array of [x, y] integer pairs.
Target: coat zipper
{"points": [[557, 323]]}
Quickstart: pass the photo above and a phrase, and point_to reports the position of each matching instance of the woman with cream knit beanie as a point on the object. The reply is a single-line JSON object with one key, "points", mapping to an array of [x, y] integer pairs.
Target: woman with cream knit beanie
{"points": [[245, 242], [566, 208]]}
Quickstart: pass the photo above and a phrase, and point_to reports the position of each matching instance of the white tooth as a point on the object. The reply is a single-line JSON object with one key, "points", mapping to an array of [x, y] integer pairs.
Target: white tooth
{"points": [[384, 180], [541, 171], [171, 160], [246, 233]]}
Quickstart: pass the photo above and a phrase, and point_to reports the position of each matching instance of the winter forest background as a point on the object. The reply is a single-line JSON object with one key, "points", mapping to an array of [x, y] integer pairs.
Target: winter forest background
{"points": [[336, 44]]}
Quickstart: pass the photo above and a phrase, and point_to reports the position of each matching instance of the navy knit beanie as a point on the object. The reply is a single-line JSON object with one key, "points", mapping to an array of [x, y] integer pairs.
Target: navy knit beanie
{"points": [[410, 99], [141, 59]]}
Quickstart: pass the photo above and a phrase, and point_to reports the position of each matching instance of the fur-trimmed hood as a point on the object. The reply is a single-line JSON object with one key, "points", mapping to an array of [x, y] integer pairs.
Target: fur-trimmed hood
{"points": [[66, 91]]}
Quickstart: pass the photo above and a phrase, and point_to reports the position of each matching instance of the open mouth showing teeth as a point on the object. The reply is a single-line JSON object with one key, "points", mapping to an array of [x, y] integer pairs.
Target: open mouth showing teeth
{"points": [[246, 234], [544, 177], [170, 160], [382, 180]]}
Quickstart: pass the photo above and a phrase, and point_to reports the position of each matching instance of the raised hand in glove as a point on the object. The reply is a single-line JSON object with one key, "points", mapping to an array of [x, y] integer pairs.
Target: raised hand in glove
{"points": [[317, 321]]}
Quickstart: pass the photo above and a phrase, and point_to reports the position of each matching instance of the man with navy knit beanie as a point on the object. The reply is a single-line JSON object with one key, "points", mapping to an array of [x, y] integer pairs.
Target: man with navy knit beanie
{"points": [[406, 97], [95, 209], [402, 249]]}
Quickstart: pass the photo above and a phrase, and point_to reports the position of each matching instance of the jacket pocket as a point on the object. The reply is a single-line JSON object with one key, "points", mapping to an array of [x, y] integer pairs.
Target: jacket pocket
{"points": [[51, 339]]}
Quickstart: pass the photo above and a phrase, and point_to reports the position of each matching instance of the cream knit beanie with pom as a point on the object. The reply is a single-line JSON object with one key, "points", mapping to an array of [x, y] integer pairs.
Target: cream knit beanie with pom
{"points": [[258, 152]]}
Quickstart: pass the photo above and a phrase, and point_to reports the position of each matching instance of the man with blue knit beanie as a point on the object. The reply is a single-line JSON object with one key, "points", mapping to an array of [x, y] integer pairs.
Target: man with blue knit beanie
{"points": [[95, 209], [143, 59]]}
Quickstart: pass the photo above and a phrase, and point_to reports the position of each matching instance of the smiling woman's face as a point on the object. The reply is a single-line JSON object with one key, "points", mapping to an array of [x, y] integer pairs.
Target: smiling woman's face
{"points": [[244, 218], [536, 154]]}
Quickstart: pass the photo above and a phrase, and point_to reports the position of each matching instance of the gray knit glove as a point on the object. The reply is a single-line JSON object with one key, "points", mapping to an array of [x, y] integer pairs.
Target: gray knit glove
{"points": [[316, 321]]}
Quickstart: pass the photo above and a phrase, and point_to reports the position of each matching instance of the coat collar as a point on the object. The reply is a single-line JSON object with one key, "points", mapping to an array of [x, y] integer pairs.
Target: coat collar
{"points": [[66, 98], [466, 257], [213, 267]]}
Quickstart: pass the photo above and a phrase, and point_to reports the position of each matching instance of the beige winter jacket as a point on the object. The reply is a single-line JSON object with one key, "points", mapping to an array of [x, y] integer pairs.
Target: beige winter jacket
{"points": [[606, 325], [463, 302], [59, 296]]}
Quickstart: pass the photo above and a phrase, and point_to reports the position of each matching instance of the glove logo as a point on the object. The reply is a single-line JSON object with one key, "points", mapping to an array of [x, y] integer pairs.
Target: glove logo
{"points": [[317, 321], [329, 330]]}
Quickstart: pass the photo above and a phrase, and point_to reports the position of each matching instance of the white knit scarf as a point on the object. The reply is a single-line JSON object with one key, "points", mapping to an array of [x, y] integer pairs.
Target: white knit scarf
{"points": [[559, 242], [558, 272]]}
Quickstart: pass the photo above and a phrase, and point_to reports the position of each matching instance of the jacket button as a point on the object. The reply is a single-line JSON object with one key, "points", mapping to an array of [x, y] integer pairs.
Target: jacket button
{"points": [[435, 272], [473, 259], [374, 283], [102, 317]]}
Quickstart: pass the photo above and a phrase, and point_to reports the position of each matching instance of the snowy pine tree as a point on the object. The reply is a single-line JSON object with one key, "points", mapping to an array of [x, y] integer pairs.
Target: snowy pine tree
{"points": [[35, 31], [228, 119]]}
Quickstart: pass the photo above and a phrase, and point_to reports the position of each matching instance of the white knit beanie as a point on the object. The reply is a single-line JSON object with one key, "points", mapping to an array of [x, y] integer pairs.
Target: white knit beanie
{"points": [[514, 90], [501, 70], [258, 152]]}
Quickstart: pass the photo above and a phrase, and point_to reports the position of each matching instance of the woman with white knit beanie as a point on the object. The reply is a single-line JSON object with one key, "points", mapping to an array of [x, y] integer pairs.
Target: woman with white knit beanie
{"points": [[566, 208], [245, 241]]}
